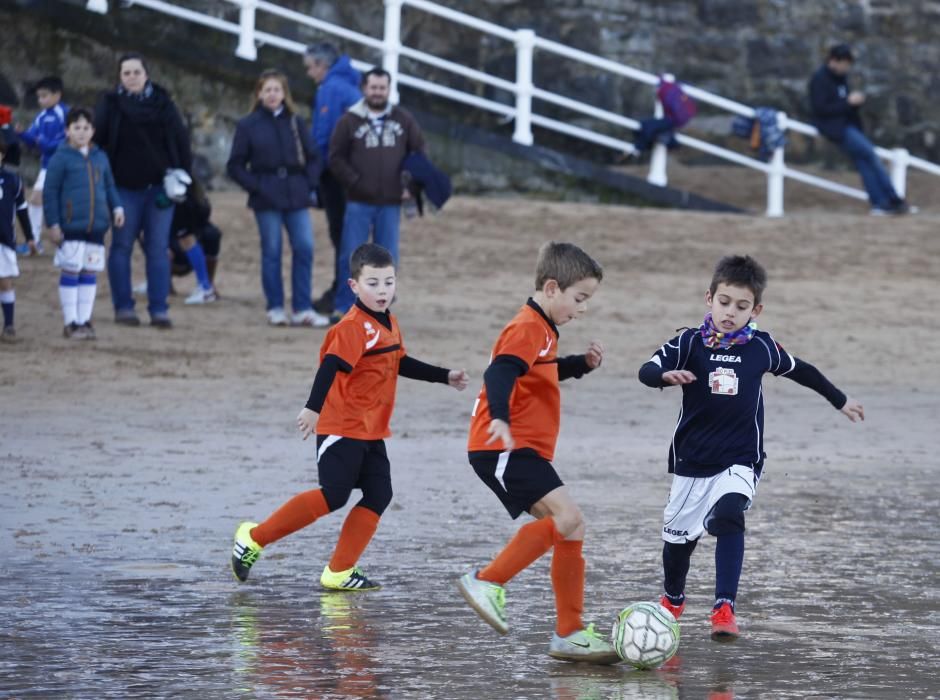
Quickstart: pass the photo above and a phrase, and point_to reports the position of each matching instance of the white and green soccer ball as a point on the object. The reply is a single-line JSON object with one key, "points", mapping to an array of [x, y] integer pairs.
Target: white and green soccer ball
{"points": [[645, 635]]}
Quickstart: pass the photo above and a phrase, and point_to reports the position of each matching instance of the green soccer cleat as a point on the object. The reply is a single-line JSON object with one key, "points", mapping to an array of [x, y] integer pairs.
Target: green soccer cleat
{"points": [[245, 552], [349, 580], [583, 645], [487, 598]]}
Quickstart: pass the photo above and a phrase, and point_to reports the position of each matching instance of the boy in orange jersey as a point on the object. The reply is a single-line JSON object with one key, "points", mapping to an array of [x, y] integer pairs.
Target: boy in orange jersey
{"points": [[353, 393], [512, 441]]}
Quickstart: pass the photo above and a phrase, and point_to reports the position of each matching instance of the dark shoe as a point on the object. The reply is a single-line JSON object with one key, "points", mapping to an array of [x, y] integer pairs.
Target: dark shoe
{"points": [[89, 330], [74, 331], [8, 335], [161, 321], [126, 317]]}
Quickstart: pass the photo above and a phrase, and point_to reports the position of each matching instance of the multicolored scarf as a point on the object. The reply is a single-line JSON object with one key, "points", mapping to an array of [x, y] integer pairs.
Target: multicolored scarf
{"points": [[713, 338]]}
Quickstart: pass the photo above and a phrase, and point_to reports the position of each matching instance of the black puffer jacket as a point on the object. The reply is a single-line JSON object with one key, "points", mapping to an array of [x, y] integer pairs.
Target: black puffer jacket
{"points": [[275, 160], [828, 99]]}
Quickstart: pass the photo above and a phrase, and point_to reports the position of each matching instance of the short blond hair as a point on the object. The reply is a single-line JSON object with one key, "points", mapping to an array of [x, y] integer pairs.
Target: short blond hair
{"points": [[565, 263]]}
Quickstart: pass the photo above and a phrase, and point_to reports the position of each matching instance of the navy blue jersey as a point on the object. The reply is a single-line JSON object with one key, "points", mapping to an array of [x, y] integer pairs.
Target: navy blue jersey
{"points": [[722, 418], [12, 199]]}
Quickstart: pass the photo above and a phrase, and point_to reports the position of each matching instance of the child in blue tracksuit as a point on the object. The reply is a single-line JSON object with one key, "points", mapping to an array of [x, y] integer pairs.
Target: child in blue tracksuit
{"points": [[81, 198], [45, 134]]}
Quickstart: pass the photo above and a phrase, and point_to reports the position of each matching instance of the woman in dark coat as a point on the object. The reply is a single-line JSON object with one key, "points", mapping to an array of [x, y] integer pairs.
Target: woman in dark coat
{"points": [[143, 134], [275, 160]]}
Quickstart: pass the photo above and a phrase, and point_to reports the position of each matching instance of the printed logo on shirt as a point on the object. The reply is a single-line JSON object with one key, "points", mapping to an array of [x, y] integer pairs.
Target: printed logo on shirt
{"points": [[723, 381], [676, 533], [725, 358], [548, 346], [372, 335]]}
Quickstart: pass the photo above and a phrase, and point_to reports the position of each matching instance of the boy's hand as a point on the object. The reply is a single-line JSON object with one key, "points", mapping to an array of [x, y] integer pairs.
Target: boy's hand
{"points": [[595, 354], [119, 217], [458, 378], [853, 410], [306, 422], [33, 250], [678, 377], [499, 430], [55, 233]]}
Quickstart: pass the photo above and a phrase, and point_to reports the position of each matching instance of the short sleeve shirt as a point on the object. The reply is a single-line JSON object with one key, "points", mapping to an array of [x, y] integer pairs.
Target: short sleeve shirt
{"points": [[535, 402], [360, 402]]}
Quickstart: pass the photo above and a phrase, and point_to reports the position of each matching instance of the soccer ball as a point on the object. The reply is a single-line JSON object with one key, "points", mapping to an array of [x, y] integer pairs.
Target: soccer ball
{"points": [[645, 635]]}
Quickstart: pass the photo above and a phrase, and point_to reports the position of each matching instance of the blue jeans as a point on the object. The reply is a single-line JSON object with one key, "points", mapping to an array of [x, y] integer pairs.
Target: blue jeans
{"points": [[875, 179], [300, 234], [141, 213], [384, 221]]}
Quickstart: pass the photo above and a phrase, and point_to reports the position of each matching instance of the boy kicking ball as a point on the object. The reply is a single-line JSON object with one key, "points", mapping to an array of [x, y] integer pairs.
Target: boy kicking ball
{"points": [[717, 452]]}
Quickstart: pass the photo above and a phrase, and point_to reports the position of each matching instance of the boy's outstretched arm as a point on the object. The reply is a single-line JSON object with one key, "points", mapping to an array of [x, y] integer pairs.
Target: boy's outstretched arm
{"points": [[652, 374], [412, 368], [307, 418], [807, 375]]}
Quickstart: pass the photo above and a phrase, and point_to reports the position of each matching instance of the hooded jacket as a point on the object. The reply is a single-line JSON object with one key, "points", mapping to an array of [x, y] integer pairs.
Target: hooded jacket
{"points": [[368, 161], [828, 100], [338, 92], [80, 194], [46, 132]]}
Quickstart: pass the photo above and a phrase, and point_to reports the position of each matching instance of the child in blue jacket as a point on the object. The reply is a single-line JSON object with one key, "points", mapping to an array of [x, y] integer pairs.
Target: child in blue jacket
{"points": [[80, 200], [45, 134]]}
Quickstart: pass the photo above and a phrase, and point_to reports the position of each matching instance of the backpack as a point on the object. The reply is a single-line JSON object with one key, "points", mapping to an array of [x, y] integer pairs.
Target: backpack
{"points": [[679, 108]]}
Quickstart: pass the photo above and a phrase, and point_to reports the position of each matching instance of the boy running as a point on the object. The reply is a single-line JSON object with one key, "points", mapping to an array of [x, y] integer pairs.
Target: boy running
{"points": [[717, 450], [12, 205], [513, 433], [353, 393]]}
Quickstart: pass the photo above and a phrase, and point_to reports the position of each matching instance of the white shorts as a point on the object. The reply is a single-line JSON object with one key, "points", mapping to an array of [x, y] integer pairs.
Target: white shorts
{"points": [[8, 264], [40, 181], [75, 256], [692, 498]]}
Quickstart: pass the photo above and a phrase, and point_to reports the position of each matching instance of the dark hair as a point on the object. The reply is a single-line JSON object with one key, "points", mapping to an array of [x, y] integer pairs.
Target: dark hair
{"points": [[76, 113], [369, 254], [323, 52], [565, 263], [740, 271], [52, 83], [841, 52], [132, 56], [376, 72]]}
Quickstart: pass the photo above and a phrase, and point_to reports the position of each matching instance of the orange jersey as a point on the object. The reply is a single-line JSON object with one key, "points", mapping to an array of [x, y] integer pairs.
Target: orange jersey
{"points": [[535, 402], [360, 402]]}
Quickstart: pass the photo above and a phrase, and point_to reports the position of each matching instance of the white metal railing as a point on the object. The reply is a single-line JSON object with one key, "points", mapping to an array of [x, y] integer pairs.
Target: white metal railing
{"points": [[524, 89]]}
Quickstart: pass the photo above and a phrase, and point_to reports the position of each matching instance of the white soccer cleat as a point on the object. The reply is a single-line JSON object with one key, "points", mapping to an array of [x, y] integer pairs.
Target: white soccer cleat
{"points": [[583, 645], [201, 296], [487, 599]]}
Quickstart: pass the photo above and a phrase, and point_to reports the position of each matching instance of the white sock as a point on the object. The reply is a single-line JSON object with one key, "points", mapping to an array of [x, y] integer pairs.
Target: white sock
{"points": [[87, 286], [35, 220], [68, 297]]}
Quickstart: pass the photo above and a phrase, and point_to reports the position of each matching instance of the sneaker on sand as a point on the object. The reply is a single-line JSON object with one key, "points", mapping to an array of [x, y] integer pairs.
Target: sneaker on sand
{"points": [[724, 626], [487, 598], [201, 296], [8, 334], [161, 321], [584, 645], [277, 317], [126, 317], [310, 318], [245, 552], [89, 330], [74, 331], [349, 580], [676, 610]]}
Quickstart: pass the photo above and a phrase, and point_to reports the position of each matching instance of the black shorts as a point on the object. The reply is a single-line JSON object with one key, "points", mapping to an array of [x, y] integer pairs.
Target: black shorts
{"points": [[519, 478], [344, 464]]}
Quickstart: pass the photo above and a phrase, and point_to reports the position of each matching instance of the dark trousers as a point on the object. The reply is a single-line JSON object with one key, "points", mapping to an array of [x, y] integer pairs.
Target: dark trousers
{"points": [[333, 199]]}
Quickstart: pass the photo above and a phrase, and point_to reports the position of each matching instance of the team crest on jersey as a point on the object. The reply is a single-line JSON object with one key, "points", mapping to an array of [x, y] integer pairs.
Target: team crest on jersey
{"points": [[723, 381], [372, 335]]}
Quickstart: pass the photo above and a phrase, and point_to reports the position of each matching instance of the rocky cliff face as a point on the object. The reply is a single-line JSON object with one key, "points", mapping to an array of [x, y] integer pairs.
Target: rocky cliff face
{"points": [[760, 52]]}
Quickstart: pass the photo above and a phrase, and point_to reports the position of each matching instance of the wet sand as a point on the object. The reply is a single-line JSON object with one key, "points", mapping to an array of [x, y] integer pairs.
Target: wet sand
{"points": [[129, 461]]}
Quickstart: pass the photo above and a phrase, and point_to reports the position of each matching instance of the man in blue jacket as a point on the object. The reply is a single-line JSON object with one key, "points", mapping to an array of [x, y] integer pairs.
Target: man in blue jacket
{"points": [[338, 89], [836, 114]]}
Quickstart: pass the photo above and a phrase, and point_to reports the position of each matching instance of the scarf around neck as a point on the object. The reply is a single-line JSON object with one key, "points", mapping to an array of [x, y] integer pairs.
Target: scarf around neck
{"points": [[713, 338]]}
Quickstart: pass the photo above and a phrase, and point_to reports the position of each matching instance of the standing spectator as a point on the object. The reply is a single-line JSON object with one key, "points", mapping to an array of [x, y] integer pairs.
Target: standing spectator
{"points": [[140, 129], [45, 134], [836, 114], [367, 148], [275, 160], [338, 90]]}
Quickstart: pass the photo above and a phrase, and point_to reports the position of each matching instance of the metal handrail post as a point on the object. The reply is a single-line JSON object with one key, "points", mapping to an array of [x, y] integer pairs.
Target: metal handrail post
{"points": [[246, 34], [99, 6], [525, 47], [777, 174], [657, 174], [899, 163], [391, 48]]}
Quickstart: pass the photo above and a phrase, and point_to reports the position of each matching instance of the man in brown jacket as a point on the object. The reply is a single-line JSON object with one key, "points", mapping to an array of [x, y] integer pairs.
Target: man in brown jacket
{"points": [[367, 147]]}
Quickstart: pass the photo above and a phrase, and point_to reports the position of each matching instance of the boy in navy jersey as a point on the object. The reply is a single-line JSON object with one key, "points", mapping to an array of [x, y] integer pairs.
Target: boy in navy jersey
{"points": [[12, 205], [717, 450]]}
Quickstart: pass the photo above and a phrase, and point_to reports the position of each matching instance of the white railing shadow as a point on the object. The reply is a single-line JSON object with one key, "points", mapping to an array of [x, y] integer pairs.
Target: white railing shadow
{"points": [[524, 90]]}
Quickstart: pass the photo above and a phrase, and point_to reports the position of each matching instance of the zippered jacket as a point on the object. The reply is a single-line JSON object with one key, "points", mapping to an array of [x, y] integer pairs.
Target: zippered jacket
{"points": [[80, 195]]}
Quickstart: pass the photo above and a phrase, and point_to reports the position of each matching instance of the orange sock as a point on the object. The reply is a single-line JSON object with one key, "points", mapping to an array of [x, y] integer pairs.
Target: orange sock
{"points": [[528, 544], [298, 512], [568, 582], [355, 536]]}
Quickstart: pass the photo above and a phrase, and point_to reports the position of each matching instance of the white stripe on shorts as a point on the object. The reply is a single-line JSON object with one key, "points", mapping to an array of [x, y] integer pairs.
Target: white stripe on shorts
{"points": [[330, 440], [501, 464]]}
